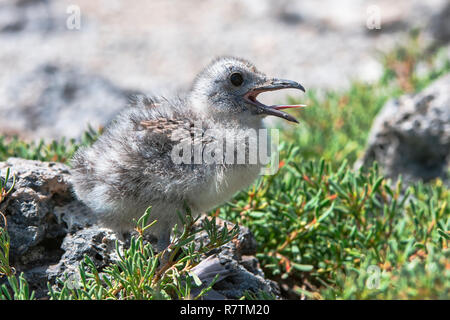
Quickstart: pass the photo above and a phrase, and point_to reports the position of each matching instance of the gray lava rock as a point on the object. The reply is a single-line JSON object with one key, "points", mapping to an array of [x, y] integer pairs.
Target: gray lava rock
{"points": [[51, 232], [36, 234], [36, 212], [95, 242], [440, 24], [39, 188], [411, 135], [238, 269]]}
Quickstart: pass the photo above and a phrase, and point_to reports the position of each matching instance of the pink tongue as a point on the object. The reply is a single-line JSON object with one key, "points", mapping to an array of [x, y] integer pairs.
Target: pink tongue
{"points": [[281, 107]]}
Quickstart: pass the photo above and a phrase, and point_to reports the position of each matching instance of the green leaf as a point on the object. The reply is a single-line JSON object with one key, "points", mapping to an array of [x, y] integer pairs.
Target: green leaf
{"points": [[303, 267]]}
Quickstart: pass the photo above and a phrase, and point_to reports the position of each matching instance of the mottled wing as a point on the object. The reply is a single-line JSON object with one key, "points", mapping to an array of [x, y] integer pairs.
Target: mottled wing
{"points": [[177, 130]]}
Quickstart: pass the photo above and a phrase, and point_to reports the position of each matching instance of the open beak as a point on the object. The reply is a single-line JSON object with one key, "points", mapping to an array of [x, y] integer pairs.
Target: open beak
{"points": [[275, 110]]}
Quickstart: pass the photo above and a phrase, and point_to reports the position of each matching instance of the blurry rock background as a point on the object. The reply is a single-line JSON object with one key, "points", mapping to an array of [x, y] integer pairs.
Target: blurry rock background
{"points": [[411, 135], [56, 78]]}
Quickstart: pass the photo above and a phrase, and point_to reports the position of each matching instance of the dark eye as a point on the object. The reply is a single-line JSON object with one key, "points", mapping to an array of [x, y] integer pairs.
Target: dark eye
{"points": [[236, 79]]}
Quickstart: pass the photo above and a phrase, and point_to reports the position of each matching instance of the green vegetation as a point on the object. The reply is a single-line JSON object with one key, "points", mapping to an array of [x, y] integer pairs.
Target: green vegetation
{"points": [[136, 275], [325, 230], [57, 151], [19, 286]]}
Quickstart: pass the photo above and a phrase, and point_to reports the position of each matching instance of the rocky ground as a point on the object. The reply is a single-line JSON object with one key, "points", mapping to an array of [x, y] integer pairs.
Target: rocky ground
{"points": [[411, 135], [56, 77], [51, 232]]}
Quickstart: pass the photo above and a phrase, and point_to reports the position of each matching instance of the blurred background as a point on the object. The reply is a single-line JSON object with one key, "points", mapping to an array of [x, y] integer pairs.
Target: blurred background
{"points": [[67, 64]]}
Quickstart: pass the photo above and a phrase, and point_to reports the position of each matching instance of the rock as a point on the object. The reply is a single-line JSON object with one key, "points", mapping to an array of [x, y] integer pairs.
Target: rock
{"points": [[239, 270], [46, 101], [411, 135], [440, 24], [36, 232], [95, 242], [39, 188], [51, 232]]}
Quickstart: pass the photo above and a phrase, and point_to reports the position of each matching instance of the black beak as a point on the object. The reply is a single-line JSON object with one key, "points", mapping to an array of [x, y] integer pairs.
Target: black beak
{"points": [[272, 85]]}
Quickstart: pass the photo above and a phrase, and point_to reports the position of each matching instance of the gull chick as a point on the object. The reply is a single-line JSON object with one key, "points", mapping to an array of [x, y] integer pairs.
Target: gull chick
{"points": [[133, 166]]}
